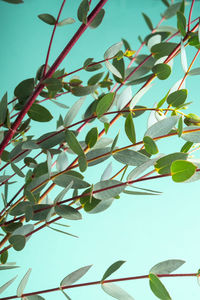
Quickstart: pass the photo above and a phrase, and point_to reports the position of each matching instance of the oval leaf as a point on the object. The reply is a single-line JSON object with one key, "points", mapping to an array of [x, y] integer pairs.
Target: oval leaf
{"points": [[47, 18], [104, 104], [182, 170], [68, 212], [39, 113], [107, 189], [130, 128], [162, 127], [130, 157], [162, 71], [18, 242], [150, 145]]}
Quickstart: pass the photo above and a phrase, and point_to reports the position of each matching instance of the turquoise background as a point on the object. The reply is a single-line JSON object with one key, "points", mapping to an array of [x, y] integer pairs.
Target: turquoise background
{"points": [[141, 230]]}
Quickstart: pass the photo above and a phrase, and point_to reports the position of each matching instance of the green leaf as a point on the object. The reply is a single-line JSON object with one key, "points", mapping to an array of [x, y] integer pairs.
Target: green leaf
{"points": [[177, 98], [68, 212], [98, 19], [162, 71], [150, 145], [167, 266], [148, 21], [95, 79], [113, 268], [195, 71], [162, 127], [53, 84], [73, 112], [139, 170], [166, 2], [47, 18], [83, 11], [19, 209], [107, 192], [64, 232], [180, 127], [23, 283], [39, 113], [14, 1], [18, 242], [82, 161], [130, 128], [74, 276], [73, 143], [162, 49], [24, 89], [80, 91], [4, 257], [98, 152], [172, 10], [181, 23], [186, 147], [114, 142], [66, 21], [104, 104], [91, 137], [43, 211], [130, 157], [3, 108], [7, 284], [158, 288], [163, 165], [162, 101], [64, 180], [17, 170], [182, 170], [116, 292]]}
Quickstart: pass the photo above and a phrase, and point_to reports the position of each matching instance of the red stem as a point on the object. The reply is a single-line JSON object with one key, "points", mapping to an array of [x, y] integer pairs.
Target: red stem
{"points": [[53, 68], [52, 36], [100, 282], [190, 14]]}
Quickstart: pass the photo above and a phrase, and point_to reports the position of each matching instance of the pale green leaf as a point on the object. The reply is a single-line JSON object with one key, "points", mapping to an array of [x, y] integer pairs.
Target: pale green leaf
{"points": [[110, 189], [167, 266], [74, 276], [162, 127], [7, 284], [23, 283], [116, 292]]}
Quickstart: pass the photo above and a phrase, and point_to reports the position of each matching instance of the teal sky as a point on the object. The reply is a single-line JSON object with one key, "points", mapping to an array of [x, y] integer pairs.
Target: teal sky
{"points": [[141, 230]]}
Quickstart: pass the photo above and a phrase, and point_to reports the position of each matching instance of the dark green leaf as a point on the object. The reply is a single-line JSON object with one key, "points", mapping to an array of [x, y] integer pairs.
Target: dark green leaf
{"points": [[177, 98], [167, 266], [14, 1], [166, 3], [162, 71], [120, 66], [18, 242], [148, 21], [4, 257], [82, 161], [91, 137], [39, 113], [172, 10], [163, 165], [40, 212], [83, 11], [68, 212], [64, 180], [158, 288], [3, 108], [114, 142], [182, 170], [17, 170], [66, 21], [104, 104], [53, 84], [162, 49], [47, 18], [113, 268], [150, 145], [24, 89], [19, 209], [186, 147], [11, 227], [94, 79], [98, 19], [130, 128], [180, 127], [108, 192], [73, 143], [80, 91], [130, 157], [181, 23]]}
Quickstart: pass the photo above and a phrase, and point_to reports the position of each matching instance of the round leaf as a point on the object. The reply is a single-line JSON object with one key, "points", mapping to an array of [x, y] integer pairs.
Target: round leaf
{"points": [[182, 170], [162, 71], [39, 113], [18, 242]]}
